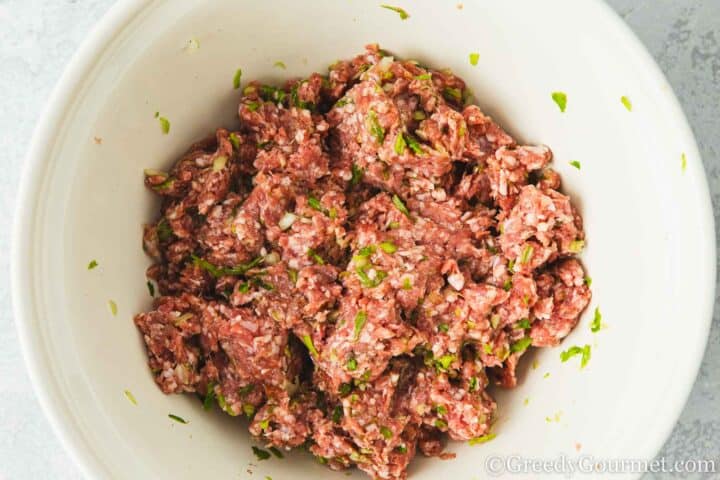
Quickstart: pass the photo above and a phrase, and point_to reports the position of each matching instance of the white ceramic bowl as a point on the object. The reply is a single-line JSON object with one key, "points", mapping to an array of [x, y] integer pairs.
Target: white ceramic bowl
{"points": [[650, 244]]}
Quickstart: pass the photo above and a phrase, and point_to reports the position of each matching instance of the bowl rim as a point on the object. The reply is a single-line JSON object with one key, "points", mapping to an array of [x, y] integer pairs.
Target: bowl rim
{"points": [[117, 17]]}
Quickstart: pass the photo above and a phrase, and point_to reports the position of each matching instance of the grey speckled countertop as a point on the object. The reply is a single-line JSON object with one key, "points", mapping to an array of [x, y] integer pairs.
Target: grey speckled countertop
{"points": [[38, 37]]}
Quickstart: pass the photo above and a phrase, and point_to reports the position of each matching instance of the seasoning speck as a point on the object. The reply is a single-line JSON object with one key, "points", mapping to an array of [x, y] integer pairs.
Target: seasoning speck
{"points": [[178, 419], [192, 45], [236, 78], [164, 125], [92, 264], [260, 453], [626, 101], [596, 324], [474, 57], [575, 164], [113, 307], [403, 14], [560, 98], [279, 64]]}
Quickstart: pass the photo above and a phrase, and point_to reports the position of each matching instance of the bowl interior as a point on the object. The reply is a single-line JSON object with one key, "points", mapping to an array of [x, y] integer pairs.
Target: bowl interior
{"points": [[649, 248]]}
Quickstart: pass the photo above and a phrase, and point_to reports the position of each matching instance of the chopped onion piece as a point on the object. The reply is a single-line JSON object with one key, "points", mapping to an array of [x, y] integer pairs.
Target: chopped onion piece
{"points": [[287, 220]]}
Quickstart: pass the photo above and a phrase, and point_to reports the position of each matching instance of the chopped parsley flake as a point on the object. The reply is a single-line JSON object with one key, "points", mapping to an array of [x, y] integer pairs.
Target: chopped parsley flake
{"points": [[178, 419], [576, 350], [403, 14], [218, 272], [626, 102], [547, 374], [386, 433], [400, 144], [92, 264], [474, 57], [388, 247], [400, 205], [209, 396], [352, 365], [337, 414], [130, 396], [315, 257], [507, 285], [521, 345], [441, 410], [360, 321], [451, 93], [345, 389], [575, 164], [373, 125], [440, 424], [164, 125], [683, 162], [151, 288], [560, 98], [357, 175], [315, 204], [407, 284], [113, 307], [260, 453], [445, 361], [276, 452], [576, 246], [473, 384], [307, 341], [526, 254], [596, 324], [236, 78], [524, 324], [401, 449], [424, 76], [413, 144], [588, 281], [279, 64], [483, 439], [252, 106], [443, 327]]}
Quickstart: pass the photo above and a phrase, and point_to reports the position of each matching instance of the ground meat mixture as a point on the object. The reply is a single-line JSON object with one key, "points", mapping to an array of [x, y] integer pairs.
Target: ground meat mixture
{"points": [[353, 265]]}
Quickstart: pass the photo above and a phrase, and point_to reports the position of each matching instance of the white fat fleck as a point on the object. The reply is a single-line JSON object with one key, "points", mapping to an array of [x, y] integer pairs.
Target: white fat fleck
{"points": [[439, 194], [456, 280]]}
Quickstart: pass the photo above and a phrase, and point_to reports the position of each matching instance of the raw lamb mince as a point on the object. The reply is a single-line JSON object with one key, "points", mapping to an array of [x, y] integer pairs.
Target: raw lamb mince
{"points": [[355, 263]]}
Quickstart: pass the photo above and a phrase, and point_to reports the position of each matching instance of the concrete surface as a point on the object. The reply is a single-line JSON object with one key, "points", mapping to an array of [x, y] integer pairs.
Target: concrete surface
{"points": [[38, 37]]}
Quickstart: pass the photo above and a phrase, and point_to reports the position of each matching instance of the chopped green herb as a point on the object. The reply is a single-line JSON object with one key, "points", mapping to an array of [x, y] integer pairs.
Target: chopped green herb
{"points": [[151, 288], [337, 414], [342, 102], [400, 144], [401, 449], [248, 410], [403, 14], [524, 324], [440, 424], [445, 361], [352, 365], [487, 348], [92, 264], [443, 327], [483, 439], [388, 247], [218, 272], [265, 424], [413, 144], [576, 350], [626, 102], [547, 374], [357, 175], [507, 285], [521, 345], [164, 125], [157, 114], [365, 279], [683, 162], [596, 324], [386, 433], [588, 281], [560, 98], [276, 452], [307, 340], [451, 93], [164, 230], [130, 396], [400, 205], [345, 389], [252, 106], [178, 419], [360, 321], [236, 78], [260, 453], [424, 76], [575, 164], [246, 389], [315, 257], [419, 115], [113, 307], [441, 410], [576, 246], [474, 57], [473, 384], [209, 396], [511, 265], [526, 254], [366, 251], [272, 94], [293, 275], [279, 64], [373, 125], [407, 284]]}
